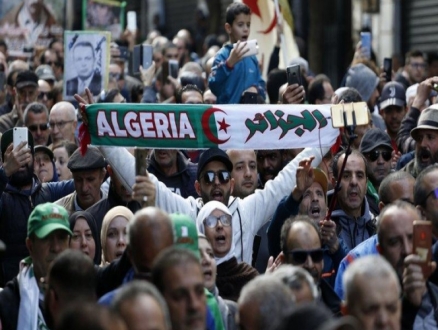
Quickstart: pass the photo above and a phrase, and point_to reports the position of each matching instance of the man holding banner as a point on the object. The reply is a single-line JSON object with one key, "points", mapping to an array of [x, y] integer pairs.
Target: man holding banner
{"points": [[202, 126]]}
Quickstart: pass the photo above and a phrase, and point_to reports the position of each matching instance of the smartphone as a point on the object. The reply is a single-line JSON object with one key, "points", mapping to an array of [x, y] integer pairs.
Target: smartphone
{"points": [[142, 55], [19, 135], [253, 47], [249, 98], [360, 110], [365, 38], [131, 21], [141, 161], [422, 244], [294, 74], [387, 68], [173, 68], [124, 52]]}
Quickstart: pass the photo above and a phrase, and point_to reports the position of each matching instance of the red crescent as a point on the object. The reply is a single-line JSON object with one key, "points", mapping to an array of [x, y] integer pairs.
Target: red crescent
{"points": [[271, 26], [206, 127]]}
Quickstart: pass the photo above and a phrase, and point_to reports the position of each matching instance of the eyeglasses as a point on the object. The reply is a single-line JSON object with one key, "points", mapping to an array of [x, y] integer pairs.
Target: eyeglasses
{"points": [[60, 124], [210, 176], [53, 63], [418, 65], [374, 155], [211, 221], [300, 256], [42, 127], [46, 94], [115, 76]]}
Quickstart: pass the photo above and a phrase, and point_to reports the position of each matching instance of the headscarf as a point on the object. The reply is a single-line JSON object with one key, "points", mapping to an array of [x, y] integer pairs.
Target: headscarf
{"points": [[109, 216], [93, 227], [206, 210]]}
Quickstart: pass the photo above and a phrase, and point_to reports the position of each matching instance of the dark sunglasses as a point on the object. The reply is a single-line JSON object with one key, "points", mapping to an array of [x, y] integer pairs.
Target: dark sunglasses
{"points": [[34, 128], [47, 94], [374, 155], [211, 221], [300, 256], [210, 176]]}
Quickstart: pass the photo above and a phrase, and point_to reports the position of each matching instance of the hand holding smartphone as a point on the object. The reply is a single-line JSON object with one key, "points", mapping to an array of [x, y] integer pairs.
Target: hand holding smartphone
{"points": [[365, 38], [131, 21], [19, 135], [293, 75], [142, 55], [422, 245], [252, 45], [387, 68], [141, 161]]}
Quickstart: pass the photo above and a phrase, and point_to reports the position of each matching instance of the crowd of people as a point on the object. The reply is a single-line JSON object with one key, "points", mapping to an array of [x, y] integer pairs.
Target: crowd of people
{"points": [[218, 239]]}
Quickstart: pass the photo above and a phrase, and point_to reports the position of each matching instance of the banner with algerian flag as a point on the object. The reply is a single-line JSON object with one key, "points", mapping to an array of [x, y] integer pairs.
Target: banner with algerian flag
{"points": [[264, 29], [182, 126]]}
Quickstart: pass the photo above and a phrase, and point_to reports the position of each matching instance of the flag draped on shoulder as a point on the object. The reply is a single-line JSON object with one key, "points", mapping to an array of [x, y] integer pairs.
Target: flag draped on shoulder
{"points": [[180, 126]]}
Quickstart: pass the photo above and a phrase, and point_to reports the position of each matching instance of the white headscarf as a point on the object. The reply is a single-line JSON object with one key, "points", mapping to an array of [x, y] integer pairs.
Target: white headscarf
{"points": [[206, 210]]}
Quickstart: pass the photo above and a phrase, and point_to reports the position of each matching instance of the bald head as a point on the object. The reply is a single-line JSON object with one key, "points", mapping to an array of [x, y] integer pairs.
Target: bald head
{"points": [[18, 65], [149, 232], [63, 122]]}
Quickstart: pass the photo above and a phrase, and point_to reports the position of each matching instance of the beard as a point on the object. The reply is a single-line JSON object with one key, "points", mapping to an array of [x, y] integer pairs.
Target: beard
{"points": [[429, 159], [22, 178]]}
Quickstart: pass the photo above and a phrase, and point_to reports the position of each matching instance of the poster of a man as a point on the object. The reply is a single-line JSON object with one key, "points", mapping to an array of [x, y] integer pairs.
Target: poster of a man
{"points": [[87, 62], [104, 15], [30, 23]]}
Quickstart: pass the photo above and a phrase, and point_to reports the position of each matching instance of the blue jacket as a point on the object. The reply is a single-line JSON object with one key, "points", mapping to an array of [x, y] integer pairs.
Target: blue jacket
{"points": [[15, 208], [289, 207], [367, 247], [228, 83], [354, 231]]}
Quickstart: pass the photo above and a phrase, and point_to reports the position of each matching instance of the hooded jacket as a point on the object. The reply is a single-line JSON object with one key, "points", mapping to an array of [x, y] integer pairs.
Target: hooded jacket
{"points": [[228, 83], [354, 231], [183, 181]]}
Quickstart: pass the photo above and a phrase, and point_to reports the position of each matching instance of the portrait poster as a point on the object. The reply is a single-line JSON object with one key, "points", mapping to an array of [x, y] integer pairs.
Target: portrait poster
{"points": [[104, 15], [86, 62], [29, 24]]}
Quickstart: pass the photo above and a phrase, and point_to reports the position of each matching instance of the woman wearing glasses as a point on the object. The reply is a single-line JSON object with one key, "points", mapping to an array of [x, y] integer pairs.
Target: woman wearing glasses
{"points": [[215, 222]]}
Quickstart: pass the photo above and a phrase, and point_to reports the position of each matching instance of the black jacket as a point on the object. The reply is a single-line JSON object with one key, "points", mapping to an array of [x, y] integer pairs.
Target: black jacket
{"points": [[99, 209], [15, 207], [183, 181], [330, 298]]}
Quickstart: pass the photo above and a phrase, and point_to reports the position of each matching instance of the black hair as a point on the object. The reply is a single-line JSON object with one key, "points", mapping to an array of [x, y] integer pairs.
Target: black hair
{"points": [[235, 9], [316, 89], [35, 108], [350, 95], [342, 152], [276, 79], [190, 78], [413, 53], [186, 88], [69, 146]]}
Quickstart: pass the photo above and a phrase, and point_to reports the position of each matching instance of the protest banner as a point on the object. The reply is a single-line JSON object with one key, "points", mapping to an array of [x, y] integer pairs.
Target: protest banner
{"points": [[26, 25], [104, 15], [182, 126], [86, 63]]}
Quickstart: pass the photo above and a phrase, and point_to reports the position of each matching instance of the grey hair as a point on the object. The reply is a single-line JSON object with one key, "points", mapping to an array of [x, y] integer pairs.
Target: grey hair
{"points": [[136, 289], [36, 108], [370, 267], [294, 277], [271, 297]]}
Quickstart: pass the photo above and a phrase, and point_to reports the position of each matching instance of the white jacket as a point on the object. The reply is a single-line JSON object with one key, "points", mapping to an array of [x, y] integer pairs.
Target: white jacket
{"points": [[249, 213]]}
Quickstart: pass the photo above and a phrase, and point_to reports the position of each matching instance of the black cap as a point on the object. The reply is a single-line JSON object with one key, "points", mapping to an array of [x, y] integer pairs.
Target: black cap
{"points": [[393, 93], [374, 138], [26, 78], [212, 154], [92, 160], [8, 138], [46, 150]]}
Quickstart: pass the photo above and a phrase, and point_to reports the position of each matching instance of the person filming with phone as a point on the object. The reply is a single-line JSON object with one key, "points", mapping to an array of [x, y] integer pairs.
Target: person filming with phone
{"points": [[234, 69]]}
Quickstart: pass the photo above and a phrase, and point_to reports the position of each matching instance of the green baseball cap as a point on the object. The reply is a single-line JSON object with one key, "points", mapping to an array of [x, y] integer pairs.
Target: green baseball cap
{"points": [[185, 233], [46, 218]]}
